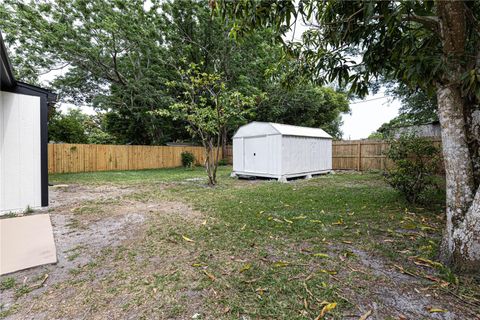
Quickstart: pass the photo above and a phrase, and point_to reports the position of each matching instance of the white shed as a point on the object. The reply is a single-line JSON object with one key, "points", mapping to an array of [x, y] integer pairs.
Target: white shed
{"points": [[265, 149]]}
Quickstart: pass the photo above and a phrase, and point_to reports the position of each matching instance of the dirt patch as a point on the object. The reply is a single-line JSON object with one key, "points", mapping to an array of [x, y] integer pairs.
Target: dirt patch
{"points": [[97, 230], [388, 292], [65, 195]]}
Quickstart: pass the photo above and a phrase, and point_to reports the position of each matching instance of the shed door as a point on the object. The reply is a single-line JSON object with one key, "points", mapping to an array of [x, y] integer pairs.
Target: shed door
{"points": [[256, 157]]}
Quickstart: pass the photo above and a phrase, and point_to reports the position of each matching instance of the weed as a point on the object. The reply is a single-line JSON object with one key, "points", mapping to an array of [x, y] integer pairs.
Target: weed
{"points": [[7, 283], [22, 290]]}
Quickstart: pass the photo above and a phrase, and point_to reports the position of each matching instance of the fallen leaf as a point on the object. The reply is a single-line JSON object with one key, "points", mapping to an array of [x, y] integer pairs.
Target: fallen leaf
{"points": [[211, 276], [327, 308], [280, 264], [197, 265], [332, 272], [436, 310], [366, 315], [321, 255], [299, 217], [339, 222], [429, 262], [347, 242], [245, 267], [261, 291], [187, 239]]}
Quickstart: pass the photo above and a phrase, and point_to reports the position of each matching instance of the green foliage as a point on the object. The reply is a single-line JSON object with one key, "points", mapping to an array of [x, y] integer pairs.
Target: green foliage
{"points": [[222, 162], [76, 127], [7, 283], [188, 159], [398, 40], [415, 163], [67, 128], [305, 105], [376, 136], [207, 107], [119, 56]]}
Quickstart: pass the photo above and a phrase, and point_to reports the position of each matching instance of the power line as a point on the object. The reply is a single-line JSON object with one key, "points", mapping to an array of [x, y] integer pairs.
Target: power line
{"points": [[384, 97]]}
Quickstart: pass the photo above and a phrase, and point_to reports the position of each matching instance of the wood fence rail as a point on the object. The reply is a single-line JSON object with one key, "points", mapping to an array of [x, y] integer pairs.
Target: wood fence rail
{"points": [[360, 155], [363, 155], [63, 158]]}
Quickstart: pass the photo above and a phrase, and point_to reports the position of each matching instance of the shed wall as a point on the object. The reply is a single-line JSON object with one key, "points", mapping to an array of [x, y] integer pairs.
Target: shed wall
{"points": [[20, 155], [305, 154], [260, 154]]}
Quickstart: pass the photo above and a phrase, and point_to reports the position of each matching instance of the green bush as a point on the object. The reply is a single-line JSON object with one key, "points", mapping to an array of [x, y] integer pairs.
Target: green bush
{"points": [[188, 159], [415, 164], [222, 162]]}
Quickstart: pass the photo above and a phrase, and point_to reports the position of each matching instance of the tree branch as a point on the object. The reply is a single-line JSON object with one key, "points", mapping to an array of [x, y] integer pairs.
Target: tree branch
{"points": [[428, 22]]}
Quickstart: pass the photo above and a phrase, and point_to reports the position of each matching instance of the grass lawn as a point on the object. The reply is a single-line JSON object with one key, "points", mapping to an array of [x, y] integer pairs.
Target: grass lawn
{"points": [[337, 246]]}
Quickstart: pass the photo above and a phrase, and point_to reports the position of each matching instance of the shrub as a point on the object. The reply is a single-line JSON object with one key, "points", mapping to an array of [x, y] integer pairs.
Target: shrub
{"points": [[188, 159], [415, 162], [222, 162]]}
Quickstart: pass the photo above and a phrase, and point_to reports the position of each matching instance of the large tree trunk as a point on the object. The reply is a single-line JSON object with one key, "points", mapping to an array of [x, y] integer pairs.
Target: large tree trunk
{"points": [[461, 243]]}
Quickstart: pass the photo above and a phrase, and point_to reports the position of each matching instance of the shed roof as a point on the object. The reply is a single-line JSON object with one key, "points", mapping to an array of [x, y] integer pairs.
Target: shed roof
{"points": [[256, 128]]}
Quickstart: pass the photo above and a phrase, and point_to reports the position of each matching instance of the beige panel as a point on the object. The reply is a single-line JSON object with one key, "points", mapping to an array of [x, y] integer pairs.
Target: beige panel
{"points": [[26, 242]]}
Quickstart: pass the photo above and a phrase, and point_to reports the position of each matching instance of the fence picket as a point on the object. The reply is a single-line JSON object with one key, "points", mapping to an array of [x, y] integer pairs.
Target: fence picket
{"points": [[63, 158]]}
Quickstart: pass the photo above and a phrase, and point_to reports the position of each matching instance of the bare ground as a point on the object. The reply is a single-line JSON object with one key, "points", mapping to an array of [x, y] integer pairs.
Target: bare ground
{"points": [[91, 225], [123, 258]]}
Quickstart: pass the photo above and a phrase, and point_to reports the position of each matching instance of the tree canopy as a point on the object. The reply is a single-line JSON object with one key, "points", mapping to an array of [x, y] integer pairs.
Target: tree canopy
{"points": [[118, 56]]}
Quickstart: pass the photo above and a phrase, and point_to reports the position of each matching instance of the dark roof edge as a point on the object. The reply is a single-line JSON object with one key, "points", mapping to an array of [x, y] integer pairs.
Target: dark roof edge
{"points": [[8, 82], [7, 77], [51, 96]]}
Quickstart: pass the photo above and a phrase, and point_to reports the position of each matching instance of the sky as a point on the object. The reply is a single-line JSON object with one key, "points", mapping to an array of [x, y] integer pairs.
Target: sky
{"points": [[368, 115]]}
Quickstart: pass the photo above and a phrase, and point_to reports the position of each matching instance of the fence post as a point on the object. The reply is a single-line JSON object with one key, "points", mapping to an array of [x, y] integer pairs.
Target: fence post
{"points": [[359, 157], [382, 159]]}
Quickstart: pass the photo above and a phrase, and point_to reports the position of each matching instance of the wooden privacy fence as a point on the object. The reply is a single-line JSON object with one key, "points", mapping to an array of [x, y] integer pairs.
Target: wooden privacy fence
{"points": [[360, 155], [64, 158]]}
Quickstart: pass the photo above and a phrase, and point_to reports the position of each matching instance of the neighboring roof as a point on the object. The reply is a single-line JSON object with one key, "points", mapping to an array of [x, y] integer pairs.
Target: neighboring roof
{"points": [[9, 83], [256, 128]]}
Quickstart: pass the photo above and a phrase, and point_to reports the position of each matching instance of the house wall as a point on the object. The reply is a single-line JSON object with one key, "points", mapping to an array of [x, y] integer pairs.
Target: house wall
{"points": [[20, 152], [305, 154]]}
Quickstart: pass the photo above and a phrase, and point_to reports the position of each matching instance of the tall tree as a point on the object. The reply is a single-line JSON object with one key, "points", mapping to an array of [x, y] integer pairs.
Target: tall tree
{"points": [[432, 45], [118, 56], [207, 106], [305, 105]]}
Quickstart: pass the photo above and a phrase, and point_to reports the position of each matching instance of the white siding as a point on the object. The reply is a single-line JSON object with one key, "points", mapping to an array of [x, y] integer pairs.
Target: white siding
{"points": [[258, 154], [280, 151], [238, 160], [305, 154], [20, 164]]}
